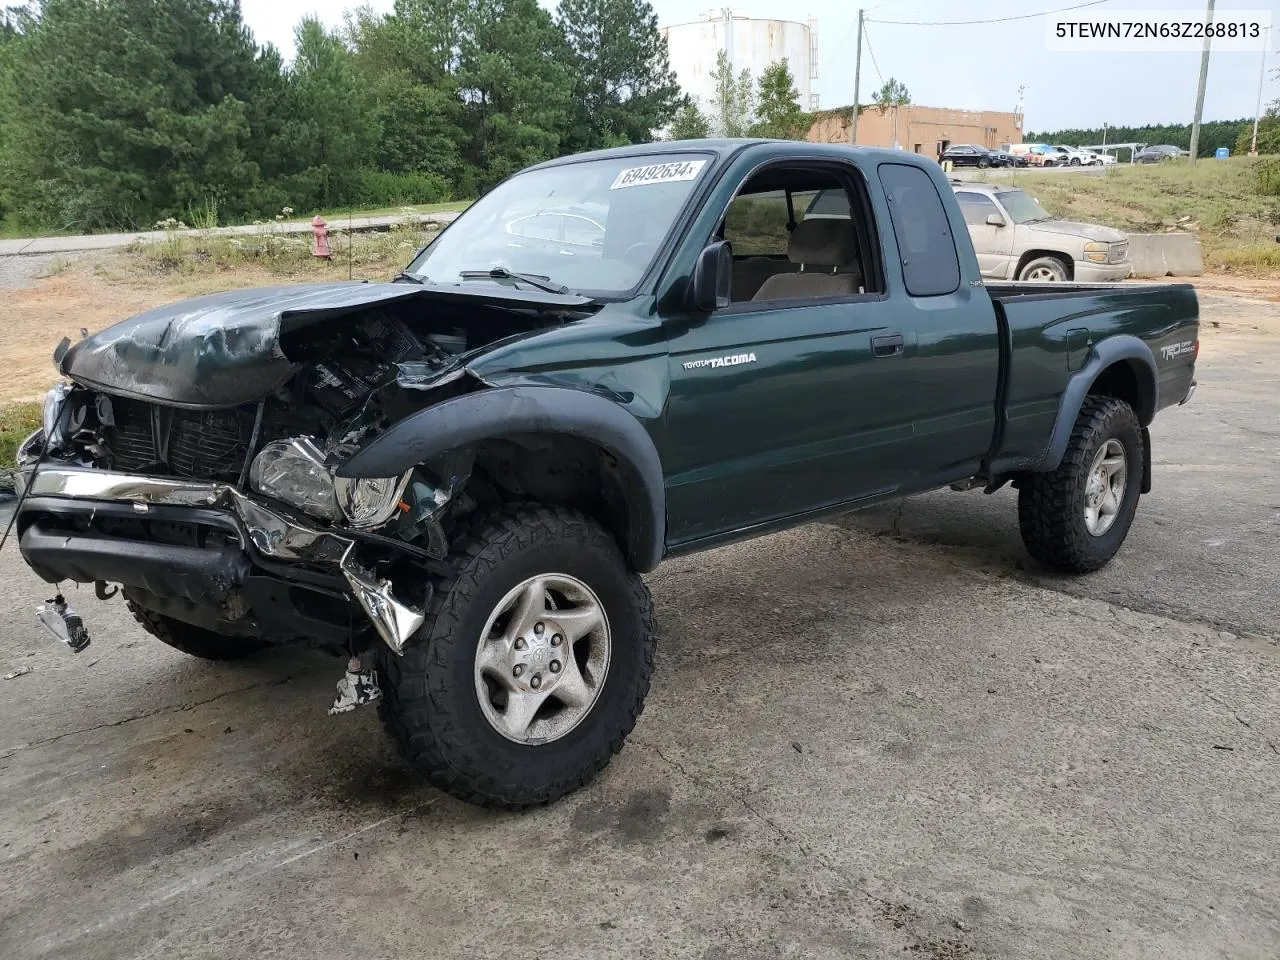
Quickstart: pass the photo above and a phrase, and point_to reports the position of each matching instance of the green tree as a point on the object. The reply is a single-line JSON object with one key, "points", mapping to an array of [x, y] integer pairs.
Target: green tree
{"points": [[516, 87], [624, 86], [891, 96], [415, 95], [1213, 134], [119, 112], [778, 112], [689, 124], [734, 107], [502, 90], [332, 127]]}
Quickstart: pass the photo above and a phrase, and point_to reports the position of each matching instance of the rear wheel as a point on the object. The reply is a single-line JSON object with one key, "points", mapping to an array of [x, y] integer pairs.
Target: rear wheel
{"points": [[983, 163], [194, 641], [533, 665], [1077, 517], [1044, 270]]}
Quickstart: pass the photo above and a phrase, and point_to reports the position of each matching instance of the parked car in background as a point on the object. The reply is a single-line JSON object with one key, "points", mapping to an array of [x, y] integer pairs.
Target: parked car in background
{"points": [[1016, 239], [1073, 157], [1162, 151], [1105, 159], [1036, 154], [968, 155], [1003, 158]]}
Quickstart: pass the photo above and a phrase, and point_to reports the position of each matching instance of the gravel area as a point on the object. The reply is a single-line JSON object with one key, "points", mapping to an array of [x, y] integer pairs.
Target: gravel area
{"points": [[17, 272]]}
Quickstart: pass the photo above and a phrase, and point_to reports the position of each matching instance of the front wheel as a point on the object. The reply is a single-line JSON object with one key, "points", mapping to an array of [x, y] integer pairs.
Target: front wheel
{"points": [[1044, 270], [1076, 518], [983, 163], [532, 667]]}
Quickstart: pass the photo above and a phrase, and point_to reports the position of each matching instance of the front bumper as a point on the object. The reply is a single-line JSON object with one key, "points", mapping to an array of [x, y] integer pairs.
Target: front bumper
{"points": [[218, 544], [1087, 272]]}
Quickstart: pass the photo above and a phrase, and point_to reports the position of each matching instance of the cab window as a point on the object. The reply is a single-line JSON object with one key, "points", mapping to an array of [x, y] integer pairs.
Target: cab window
{"points": [[784, 223], [976, 207]]}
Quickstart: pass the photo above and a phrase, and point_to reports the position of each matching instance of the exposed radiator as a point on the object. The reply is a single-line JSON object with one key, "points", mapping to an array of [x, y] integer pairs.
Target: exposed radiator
{"points": [[195, 444]]}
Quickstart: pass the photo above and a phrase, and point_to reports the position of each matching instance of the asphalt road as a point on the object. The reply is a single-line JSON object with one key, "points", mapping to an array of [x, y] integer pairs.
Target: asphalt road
{"points": [[885, 736], [34, 246]]}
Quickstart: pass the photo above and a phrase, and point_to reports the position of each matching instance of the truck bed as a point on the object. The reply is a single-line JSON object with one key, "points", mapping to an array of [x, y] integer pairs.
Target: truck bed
{"points": [[1048, 333]]}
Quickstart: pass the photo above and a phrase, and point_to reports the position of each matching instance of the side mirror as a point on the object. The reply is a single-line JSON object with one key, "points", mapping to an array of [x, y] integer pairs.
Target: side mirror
{"points": [[710, 285], [995, 220]]}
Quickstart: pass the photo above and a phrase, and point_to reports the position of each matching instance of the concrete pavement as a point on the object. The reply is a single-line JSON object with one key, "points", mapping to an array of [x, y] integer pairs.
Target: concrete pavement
{"points": [[108, 241], [885, 736]]}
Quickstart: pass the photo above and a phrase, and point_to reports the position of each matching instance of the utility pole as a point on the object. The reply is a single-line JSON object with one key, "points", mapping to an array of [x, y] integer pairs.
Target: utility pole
{"points": [[1262, 74], [1104, 135], [1204, 76], [857, 78]]}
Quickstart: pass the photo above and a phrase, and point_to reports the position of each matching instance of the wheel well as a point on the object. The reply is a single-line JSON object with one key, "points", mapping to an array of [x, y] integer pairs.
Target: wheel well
{"points": [[1037, 254], [566, 471], [1126, 381]]}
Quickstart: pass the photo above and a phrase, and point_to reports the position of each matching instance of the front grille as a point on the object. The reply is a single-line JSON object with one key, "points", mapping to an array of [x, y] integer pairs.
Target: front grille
{"points": [[131, 441], [1119, 252], [193, 444], [210, 444]]}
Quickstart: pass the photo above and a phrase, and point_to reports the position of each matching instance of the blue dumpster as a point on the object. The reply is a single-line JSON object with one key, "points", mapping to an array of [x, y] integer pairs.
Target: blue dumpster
{"points": [[1221, 153]]}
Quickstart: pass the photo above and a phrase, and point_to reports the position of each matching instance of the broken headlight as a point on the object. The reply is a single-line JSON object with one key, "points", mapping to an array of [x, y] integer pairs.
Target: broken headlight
{"points": [[370, 501], [294, 471], [63, 415]]}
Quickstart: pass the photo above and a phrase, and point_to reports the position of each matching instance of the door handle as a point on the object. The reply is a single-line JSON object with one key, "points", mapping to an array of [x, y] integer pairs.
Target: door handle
{"points": [[887, 346]]}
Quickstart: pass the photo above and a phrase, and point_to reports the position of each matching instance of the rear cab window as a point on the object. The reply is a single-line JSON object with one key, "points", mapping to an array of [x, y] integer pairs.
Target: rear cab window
{"points": [[930, 264]]}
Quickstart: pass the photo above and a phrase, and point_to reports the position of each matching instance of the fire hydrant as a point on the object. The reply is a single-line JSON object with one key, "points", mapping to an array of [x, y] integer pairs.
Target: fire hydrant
{"points": [[322, 238]]}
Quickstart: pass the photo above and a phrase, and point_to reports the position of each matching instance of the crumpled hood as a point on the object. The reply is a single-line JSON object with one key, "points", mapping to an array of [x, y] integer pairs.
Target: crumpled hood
{"points": [[1090, 231], [224, 349]]}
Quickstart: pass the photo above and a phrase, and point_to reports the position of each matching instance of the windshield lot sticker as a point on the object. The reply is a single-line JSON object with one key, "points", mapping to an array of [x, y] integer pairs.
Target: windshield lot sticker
{"points": [[729, 361], [658, 173]]}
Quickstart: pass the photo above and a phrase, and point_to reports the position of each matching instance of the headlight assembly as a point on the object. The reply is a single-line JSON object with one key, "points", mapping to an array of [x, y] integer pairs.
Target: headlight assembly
{"points": [[62, 416], [1097, 252], [294, 471], [369, 501]]}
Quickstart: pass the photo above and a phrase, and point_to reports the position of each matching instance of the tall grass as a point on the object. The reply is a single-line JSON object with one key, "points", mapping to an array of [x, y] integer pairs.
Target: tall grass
{"points": [[1233, 205], [186, 252], [17, 422]]}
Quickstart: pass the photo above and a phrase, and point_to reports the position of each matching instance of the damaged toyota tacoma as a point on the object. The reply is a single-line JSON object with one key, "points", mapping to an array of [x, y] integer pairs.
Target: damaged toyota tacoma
{"points": [[455, 480]]}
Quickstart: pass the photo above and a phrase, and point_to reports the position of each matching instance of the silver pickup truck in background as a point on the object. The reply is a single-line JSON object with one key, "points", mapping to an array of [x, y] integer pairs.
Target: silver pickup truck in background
{"points": [[1016, 239]]}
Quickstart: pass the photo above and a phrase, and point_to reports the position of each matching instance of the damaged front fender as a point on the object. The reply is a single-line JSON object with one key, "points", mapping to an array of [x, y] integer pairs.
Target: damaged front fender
{"points": [[504, 412]]}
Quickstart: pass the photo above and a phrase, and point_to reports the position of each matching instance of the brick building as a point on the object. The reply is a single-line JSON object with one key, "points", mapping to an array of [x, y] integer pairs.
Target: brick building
{"points": [[926, 130]]}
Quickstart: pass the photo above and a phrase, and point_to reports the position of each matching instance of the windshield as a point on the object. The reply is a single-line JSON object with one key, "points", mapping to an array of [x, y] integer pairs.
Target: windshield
{"points": [[592, 226], [1022, 207]]}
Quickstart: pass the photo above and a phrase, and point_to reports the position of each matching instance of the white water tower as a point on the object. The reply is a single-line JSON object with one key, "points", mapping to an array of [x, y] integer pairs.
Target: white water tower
{"points": [[750, 45]]}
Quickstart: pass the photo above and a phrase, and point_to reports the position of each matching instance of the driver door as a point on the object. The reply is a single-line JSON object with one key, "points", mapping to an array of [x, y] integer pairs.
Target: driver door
{"points": [[779, 407]]}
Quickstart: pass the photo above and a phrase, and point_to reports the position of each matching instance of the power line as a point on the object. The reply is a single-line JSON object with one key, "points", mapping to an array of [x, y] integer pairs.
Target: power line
{"points": [[867, 37], [966, 23]]}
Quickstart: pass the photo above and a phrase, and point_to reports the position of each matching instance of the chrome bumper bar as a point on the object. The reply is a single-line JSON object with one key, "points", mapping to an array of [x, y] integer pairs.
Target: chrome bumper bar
{"points": [[271, 534]]}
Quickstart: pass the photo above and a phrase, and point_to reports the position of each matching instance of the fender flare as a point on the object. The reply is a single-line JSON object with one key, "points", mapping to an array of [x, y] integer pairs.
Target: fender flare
{"points": [[1117, 349], [507, 411]]}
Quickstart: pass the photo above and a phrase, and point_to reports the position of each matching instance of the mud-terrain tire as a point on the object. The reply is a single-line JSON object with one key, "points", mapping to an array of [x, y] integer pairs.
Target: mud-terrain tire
{"points": [[439, 697], [192, 640], [1053, 508]]}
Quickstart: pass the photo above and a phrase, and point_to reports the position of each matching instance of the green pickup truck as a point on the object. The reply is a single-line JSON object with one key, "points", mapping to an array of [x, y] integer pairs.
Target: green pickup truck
{"points": [[455, 479]]}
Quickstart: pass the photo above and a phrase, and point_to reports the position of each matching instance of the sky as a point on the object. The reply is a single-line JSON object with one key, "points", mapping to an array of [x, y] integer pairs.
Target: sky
{"points": [[969, 67]]}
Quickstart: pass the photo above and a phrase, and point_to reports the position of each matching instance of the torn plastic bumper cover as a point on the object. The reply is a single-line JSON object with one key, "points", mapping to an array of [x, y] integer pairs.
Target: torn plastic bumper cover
{"points": [[270, 533]]}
